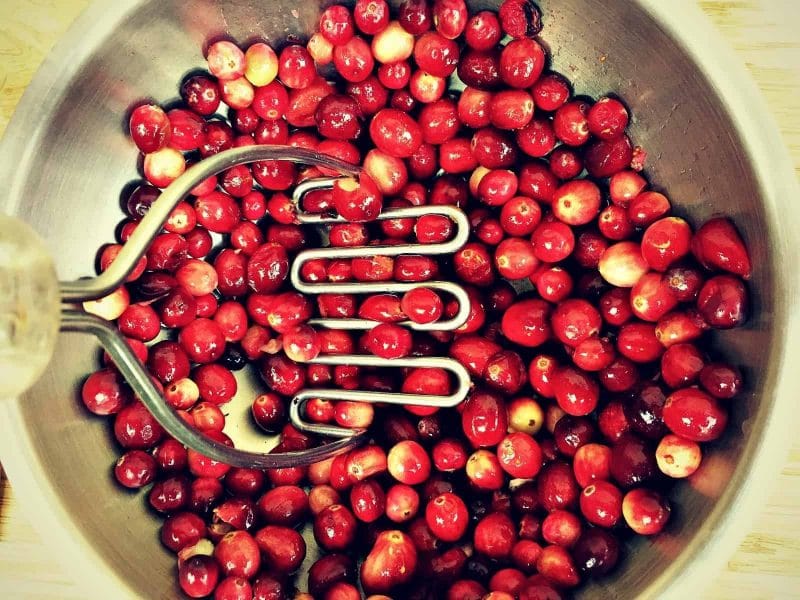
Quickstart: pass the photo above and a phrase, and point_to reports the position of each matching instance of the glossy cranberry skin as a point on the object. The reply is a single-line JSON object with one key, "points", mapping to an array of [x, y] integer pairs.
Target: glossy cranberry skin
{"points": [[169, 495], [723, 302], [572, 433], [338, 117], [666, 241], [357, 200], [335, 528], [637, 341], [408, 462], [537, 181], [267, 268], [519, 455], [371, 16], [395, 133], [216, 383], [150, 128], [575, 320], [571, 124], [596, 552], [198, 576], [238, 554], [136, 429], [480, 68], [328, 570], [645, 511], [681, 364], [447, 517], [505, 371], [521, 63], [601, 504], [495, 536], [484, 419], [694, 415], [632, 461], [282, 547], [604, 158], [104, 392], [607, 118], [718, 245], [285, 505], [678, 457], [168, 362], [203, 340], [494, 149], [527, 323], [201, 95], [135, 469], [553, 241], [576, 391], [721, 380], [556, 486]]}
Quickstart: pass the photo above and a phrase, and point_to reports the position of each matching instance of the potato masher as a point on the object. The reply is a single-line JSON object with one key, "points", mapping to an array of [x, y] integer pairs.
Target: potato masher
{"points": [[34, 305]]}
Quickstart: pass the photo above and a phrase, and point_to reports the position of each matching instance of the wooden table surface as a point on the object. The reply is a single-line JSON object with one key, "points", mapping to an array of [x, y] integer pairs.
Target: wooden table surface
{"points": [[766, 35]]}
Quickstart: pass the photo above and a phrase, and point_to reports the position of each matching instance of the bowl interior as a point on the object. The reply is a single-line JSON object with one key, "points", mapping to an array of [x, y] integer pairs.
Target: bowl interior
{"points": [[77, 158]]}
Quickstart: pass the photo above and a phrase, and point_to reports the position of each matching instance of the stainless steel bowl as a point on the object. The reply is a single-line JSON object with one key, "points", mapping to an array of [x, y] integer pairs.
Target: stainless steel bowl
{"points": [[711, 146]]}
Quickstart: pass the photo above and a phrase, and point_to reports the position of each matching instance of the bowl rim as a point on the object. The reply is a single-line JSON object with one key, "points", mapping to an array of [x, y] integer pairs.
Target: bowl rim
{"points": [[733, 512]]}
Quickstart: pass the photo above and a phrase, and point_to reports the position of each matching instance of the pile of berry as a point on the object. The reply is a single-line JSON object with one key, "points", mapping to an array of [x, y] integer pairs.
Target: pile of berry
{"points": [[594, 384]]}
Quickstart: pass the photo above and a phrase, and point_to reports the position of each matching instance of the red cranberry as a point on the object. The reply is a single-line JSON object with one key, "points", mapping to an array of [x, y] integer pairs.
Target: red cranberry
{"points": [[596, 552], [104, 392], [495, 536], [198, 576], [632, 461], [721, 380], [723, 302], [717, 244], [645, 511]]}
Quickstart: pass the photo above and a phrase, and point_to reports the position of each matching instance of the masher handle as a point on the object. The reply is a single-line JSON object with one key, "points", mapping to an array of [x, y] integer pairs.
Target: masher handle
{"points": [[29, 307]]}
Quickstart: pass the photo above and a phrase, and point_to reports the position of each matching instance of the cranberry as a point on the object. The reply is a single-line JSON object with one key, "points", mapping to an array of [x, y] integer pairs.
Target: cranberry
{"points": [[556, 486], [168, 362], [678, 457], [632, 461], [150, 128], [495, 536], [527, 323], [447, 517], [596, 552], [371, 16], [135, 428], [721, 380], [608, 118], [283, 548], [694, 415], [104, 392], [577, 393], [408, 462], [238, 554], [484, 419], [484, 470], [519, 455], [520, 18], [645, 511], [723, 302], [285, 505], [198, 576], [521, 63], [717, 244], [135, 469], [482, 30], [201, 95], [391, 562]]}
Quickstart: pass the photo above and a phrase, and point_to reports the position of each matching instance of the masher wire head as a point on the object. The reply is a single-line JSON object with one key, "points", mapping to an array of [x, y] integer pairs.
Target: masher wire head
{"points": [[77, 320], [461, 376]]}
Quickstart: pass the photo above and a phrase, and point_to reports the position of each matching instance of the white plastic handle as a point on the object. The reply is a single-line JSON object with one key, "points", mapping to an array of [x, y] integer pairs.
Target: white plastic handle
{"points": [[30, 307]]}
